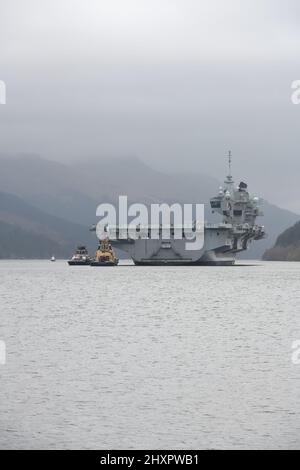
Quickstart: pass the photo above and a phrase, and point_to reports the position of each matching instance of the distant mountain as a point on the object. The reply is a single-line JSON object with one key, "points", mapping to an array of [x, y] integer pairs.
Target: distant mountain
{"points": [[52, 187], [72, 192], [16, 243], [287, 246], [27, 232], [141, 183]]}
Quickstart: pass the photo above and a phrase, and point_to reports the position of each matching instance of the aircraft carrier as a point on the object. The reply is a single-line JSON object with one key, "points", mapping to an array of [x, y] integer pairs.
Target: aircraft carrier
{"points": [[234, 232]]}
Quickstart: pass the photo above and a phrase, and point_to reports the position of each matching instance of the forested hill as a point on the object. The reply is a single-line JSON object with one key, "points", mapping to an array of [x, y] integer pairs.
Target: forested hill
{"points": [[287, 246], [28, 232]]}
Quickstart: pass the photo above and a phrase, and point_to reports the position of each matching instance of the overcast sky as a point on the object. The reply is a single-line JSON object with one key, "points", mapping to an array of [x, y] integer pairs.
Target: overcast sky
{"points": [[174, 82]]}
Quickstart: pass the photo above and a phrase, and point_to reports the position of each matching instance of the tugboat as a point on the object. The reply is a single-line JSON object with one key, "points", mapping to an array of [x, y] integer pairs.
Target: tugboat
{"points": [[80, 258], [105, 255]]}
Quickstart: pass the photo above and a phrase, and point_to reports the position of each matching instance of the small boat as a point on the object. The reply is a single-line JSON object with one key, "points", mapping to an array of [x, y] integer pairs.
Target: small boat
{"points": [[52, 258], [80, 258], [105, 255]]}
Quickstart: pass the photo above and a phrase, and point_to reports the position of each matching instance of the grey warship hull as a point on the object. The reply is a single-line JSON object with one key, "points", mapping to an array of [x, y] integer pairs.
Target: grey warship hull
{"points": [[222, 242]]}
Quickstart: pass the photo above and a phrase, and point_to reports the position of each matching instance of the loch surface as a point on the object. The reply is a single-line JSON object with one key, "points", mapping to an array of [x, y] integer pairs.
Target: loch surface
{"points": [[149, 357]]}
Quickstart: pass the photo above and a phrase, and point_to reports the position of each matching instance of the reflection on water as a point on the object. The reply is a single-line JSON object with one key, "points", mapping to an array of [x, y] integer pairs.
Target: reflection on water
{"points": [[140, 357]]}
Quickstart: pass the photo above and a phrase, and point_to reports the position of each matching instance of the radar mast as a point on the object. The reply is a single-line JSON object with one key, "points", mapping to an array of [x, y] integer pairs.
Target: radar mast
{"points": [[229, 180]]}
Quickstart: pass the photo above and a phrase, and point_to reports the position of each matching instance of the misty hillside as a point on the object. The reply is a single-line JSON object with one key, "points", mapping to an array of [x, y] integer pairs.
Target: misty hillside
{"points": [[275, 220], [50, 186], [287, 246], [27, 232], [72, 192], [17, 243]]}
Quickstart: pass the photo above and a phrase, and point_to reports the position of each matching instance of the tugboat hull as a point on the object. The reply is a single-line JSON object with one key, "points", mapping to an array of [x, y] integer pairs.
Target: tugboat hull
{"points": [[79, 263], [104, 263]]}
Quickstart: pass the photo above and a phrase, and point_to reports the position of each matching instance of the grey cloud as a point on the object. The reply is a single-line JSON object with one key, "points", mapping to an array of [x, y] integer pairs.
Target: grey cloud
{"points": [[176, 83]]}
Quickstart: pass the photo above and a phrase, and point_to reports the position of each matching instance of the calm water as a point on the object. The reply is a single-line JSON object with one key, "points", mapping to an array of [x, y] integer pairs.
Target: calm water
{"points": [[137, 357]]}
